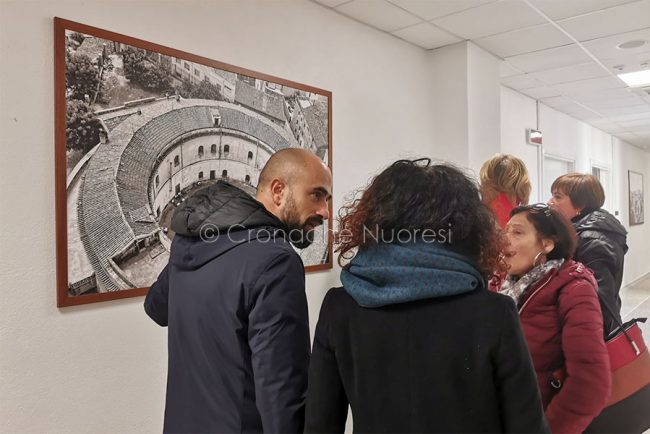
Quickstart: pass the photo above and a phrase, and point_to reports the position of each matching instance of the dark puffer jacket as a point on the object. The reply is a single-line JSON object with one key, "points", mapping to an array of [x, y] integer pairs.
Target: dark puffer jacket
{"points": [[237, 315], [562, 322], [602, 247]]}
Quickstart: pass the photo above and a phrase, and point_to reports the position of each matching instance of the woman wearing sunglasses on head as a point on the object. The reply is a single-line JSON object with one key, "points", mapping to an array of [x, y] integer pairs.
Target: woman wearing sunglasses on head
{"points": [[560, 314], [413, 341]]}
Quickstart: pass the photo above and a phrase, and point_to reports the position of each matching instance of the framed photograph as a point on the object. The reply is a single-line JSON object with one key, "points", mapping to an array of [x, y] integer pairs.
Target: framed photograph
{"points": [[139, 129], [635, 184]]}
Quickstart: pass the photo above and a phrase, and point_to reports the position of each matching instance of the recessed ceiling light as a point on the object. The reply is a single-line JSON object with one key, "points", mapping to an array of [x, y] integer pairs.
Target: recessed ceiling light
{"points": [[630, 45], [638, 78]]}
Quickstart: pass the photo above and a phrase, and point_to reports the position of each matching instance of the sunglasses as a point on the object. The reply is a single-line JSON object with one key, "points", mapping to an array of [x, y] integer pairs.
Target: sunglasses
{"points": [[423, 162], [540, 208]]}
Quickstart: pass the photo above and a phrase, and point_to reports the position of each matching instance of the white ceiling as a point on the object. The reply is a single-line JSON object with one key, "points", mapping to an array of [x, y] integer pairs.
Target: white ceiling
{"points": [[561, 52]]}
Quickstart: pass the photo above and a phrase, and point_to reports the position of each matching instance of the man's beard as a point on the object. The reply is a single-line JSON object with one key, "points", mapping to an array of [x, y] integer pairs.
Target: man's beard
{"points": [[298, 236]]}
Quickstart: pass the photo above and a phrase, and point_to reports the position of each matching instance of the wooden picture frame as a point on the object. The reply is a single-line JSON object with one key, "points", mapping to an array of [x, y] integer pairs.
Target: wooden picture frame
{"points": [[130, 116], [635, 204]]}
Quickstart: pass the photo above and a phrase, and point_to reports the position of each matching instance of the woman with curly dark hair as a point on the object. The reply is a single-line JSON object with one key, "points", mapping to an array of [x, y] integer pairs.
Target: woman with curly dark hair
{"points": [[413, 341]]}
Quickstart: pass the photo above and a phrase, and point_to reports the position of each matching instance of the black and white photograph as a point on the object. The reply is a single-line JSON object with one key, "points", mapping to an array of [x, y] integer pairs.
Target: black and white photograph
{"points": [[635, 181], [144, 131]]}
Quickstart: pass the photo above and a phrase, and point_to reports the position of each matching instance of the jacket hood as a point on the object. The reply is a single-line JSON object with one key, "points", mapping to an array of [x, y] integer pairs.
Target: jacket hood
{"points": [[221, 206], [601, 221], [216, 220], [391, 273]]}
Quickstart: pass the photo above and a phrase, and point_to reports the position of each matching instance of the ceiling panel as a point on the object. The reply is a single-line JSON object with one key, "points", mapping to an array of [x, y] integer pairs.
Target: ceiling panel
{"points": [[634, 109], [604, 48], [619, 19], [630, 138], [428, 10], [607, 126], [549, 59], [628, 62], [490, 19], [639, 123], [426, 35], [613, 103], [583, 113], [540, 92], [588, 86], [629, 117], [606, 95], [379, 14], [571, 73], [559, 9], [520, 41], [522, 81], [557, 101]]}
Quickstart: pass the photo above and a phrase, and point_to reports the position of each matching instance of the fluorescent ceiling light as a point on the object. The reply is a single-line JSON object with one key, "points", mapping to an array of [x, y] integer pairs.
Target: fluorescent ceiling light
{"points": [[638, 78]]}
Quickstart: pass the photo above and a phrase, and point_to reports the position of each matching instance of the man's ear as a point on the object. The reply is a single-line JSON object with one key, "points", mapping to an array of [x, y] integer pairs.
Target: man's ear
{"points": [[277, 188]]}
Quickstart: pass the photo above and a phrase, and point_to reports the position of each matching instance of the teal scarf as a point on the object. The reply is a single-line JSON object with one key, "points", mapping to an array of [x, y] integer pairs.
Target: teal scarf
{"points": [[391, 273]]}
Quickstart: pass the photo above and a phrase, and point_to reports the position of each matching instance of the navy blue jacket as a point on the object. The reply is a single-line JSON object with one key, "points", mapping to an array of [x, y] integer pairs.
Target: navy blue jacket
{"points": [[236, 310]]}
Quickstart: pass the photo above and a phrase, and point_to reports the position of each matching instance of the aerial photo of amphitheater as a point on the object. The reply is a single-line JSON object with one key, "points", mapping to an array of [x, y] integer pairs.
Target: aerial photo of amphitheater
{"points": [[144, 132]]}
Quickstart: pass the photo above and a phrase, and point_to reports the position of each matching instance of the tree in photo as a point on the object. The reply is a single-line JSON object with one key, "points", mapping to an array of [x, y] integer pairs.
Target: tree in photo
{"points": [[81, 76], [82, 128], [148, 75], [203, 90], [84, 77], [74, 40]]}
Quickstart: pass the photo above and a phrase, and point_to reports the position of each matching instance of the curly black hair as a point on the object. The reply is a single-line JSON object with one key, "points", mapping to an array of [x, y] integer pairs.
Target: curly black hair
{"points": [[415, 195]]}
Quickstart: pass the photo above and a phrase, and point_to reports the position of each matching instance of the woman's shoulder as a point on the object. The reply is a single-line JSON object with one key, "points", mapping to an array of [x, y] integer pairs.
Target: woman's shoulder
{"points": [[578, 285], [576, 273], [335, 298]]}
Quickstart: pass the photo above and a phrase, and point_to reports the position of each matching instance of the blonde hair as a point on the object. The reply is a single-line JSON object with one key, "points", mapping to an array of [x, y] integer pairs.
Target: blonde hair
{"points": [[505, 173]]}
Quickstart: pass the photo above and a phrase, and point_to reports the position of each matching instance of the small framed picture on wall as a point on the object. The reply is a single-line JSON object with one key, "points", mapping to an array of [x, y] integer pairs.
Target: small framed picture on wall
{"points": [[635, 183]]}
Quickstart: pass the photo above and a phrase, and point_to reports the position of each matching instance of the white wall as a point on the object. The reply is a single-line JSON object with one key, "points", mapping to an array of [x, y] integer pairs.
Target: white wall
{"points": [[483, 96], [101, 368], [519, 112], [627, 157], [449, 110], [465, 93]]}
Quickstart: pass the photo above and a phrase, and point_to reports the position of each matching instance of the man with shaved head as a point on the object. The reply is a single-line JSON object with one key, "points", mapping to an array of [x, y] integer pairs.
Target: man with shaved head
{"points": [[233, 299]]}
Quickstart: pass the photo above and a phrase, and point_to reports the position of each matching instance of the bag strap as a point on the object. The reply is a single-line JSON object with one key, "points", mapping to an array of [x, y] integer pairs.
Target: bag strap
{"points": [[618, 322]]}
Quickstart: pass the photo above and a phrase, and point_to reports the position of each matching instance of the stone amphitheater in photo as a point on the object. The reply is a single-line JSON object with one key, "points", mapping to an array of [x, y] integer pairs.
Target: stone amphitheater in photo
{"points": [[154, 154]]}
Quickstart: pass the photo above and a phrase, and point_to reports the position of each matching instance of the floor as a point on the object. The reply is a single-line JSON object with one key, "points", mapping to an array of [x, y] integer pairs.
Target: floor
{"points": [[636, 303]]}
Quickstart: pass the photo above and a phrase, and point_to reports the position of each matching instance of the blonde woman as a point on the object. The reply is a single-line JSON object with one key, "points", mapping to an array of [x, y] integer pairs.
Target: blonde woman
{"points": [[504, 185]]}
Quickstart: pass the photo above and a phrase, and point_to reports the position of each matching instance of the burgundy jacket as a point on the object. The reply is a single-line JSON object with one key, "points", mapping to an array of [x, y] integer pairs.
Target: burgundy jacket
{"points": [[563, 326]]}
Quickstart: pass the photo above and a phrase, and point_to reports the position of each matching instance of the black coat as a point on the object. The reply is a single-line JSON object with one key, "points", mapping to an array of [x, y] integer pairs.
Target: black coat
{"points": [[448, 364], [602, 247], [237, 315]]}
